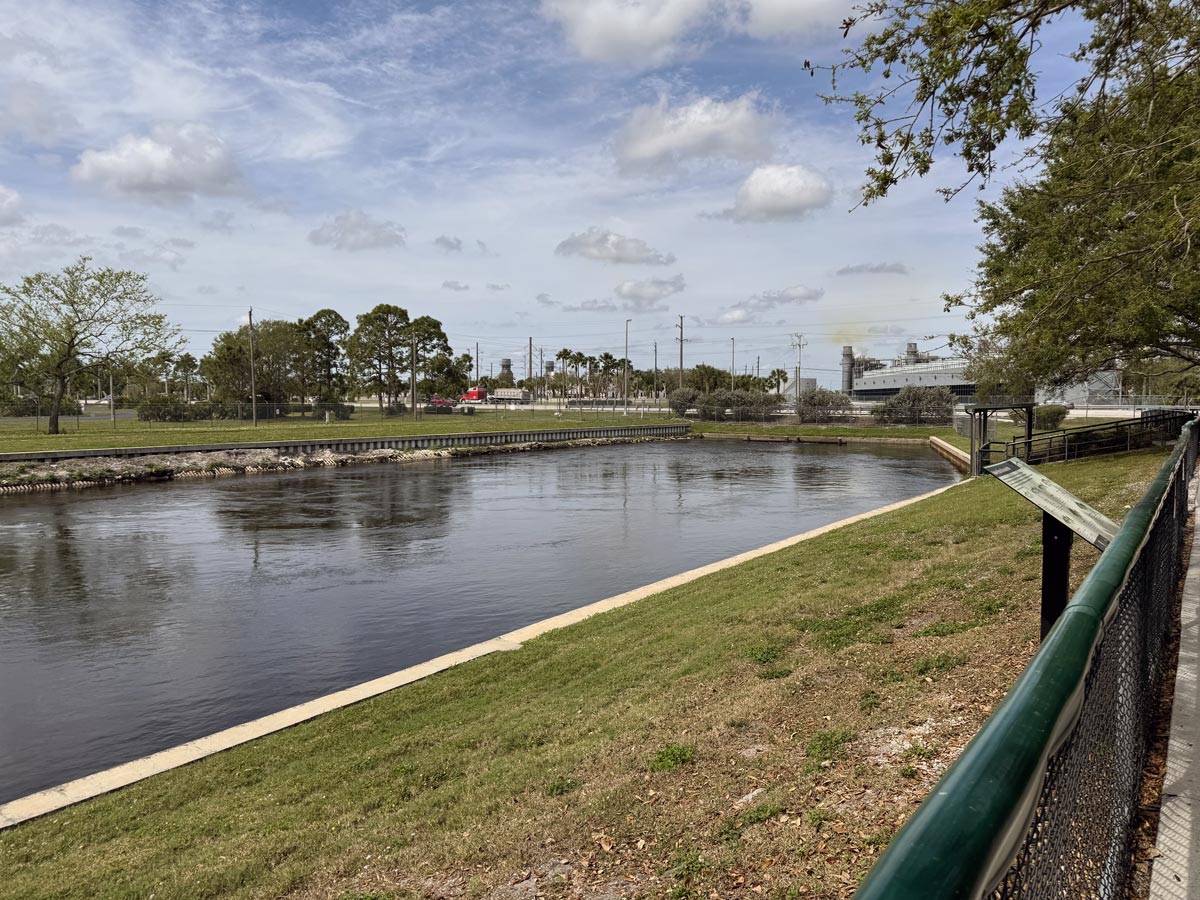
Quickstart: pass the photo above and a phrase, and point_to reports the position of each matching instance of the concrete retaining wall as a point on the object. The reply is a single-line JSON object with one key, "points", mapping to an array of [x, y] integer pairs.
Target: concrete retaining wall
{"points": [[310, 446], [960, 458]]}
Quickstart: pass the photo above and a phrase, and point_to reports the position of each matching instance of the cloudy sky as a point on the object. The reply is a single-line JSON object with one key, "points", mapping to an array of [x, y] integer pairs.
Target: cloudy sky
{"points": [[515, 168]]}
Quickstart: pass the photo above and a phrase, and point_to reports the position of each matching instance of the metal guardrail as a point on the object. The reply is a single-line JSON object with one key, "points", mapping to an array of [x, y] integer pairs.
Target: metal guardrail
{"points": [[1064, 444], [1043, 801], [363, 444]]}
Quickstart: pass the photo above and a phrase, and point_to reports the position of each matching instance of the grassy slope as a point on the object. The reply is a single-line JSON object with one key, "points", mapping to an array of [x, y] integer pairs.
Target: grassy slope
{"points": [[840, 675], [98, 434]]}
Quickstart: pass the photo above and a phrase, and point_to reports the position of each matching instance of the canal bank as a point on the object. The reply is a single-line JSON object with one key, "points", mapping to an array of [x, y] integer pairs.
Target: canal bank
{"points": [[765, 726], [61, 469]]}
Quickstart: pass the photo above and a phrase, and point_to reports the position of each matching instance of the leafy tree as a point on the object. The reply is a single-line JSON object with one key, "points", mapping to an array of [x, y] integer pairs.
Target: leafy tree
{"points": [[323, 365], [279, 347], [378, 351], [186, 368], [447, 376], [961, 73], [1091, 265], [56, 325]]}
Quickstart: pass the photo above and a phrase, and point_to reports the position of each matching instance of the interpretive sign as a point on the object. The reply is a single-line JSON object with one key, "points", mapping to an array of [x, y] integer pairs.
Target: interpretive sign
{"points": [[1052, 498]]}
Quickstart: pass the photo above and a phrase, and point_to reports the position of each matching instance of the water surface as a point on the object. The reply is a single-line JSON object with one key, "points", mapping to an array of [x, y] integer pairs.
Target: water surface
{"points": [[133, 618]]}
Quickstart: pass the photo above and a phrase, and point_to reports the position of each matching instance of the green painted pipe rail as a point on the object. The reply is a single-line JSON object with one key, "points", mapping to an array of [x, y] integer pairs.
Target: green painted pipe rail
{"points": [[962, 840]]}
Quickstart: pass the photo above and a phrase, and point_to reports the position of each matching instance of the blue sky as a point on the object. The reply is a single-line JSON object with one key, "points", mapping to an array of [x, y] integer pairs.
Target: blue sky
{"points": [[516, 169]]}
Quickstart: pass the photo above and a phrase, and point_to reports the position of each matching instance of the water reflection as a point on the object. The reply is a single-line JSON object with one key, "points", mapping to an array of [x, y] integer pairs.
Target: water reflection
{"points": [[133, 618]]}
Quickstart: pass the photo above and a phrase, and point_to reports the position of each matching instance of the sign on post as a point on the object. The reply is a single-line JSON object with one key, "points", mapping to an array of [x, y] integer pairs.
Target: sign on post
{"points": [[1054, 499]]}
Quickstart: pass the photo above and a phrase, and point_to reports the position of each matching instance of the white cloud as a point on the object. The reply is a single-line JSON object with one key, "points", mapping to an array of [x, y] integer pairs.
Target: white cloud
{"points": [[543, 299], [208, 290], [647, 296], [354, 230], [648, 33], [883, 268], [449, 244], [659, 137], [782, 18], [641, 33], [53, 235], [161, 255], [221, 220], [494, 286], [129, 231], [777, 192], [171, 165], [10, 206], [29, 110], [180, 243], [602, 244], [750, 309], [456, 286], [591, 306]]}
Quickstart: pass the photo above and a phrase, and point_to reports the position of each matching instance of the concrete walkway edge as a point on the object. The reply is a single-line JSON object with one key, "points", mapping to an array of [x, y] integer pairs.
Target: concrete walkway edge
{"points": [[56, 798], [1175, 875]]}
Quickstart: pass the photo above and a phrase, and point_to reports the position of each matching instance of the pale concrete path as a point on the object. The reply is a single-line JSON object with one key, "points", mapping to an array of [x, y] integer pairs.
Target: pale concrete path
{"points": [[1176, 874]]}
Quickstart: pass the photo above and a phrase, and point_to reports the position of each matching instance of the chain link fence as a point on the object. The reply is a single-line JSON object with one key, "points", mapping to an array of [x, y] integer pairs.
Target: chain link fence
{"points": [[1080, 841], [1043, 803]]}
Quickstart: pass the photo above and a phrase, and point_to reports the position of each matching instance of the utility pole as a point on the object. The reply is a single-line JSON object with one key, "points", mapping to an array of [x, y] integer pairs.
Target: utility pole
{"points": [[541, 369], [253, 387], [112, 408], [680, 339], [799, 344], [655, 392], [477, 363], [758, 367], [412, 378], [626, 410], [529, 367], [732, 357]]}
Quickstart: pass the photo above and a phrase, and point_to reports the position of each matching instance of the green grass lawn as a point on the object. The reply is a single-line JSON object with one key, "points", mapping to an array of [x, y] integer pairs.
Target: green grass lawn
{"points": [[98, 433], [836, 679]]}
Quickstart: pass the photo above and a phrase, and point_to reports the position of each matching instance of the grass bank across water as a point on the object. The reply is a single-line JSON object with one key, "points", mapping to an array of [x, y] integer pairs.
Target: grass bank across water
{"points": [[768, 726]]}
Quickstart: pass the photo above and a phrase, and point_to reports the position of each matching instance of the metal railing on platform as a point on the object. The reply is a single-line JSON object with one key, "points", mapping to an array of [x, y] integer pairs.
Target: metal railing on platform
{"points": [[1151, 428], [1043, 802]]}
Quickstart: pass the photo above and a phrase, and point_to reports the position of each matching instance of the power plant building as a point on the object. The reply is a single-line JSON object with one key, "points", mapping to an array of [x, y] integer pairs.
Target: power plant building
{"points": [[864, 378]]}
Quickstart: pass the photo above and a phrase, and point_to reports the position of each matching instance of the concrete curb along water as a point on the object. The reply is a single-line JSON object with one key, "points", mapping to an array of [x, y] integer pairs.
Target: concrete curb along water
{"points": [[56, 798], [960, 459]]}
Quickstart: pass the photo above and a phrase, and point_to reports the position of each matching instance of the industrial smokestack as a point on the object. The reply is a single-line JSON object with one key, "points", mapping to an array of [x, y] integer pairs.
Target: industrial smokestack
{"points": [[911, 356], [506, 367], [847, 370]]}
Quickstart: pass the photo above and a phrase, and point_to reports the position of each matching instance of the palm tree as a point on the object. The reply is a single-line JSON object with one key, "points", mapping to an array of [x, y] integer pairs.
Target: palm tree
{"points": [[608, 366], [563, 356], [777, 378], [591, 362]]}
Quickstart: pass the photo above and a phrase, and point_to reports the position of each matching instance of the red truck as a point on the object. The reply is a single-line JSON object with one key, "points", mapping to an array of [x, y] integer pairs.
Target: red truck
{"points": [[474, 395]]}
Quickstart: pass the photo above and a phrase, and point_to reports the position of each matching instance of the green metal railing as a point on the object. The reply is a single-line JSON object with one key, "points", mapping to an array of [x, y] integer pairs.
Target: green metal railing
{"points": [[1043, 801]]}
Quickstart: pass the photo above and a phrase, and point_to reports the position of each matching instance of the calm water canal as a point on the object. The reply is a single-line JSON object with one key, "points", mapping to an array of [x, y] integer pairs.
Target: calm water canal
{"points": [[135, 618]]}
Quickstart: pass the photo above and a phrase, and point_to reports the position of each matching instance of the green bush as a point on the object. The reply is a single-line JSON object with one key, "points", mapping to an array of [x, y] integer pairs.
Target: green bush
{"points": [[917, 406], [681, 400], [163, 409], [29, 406], [1048, 418], [712, 406], [821, 405]]}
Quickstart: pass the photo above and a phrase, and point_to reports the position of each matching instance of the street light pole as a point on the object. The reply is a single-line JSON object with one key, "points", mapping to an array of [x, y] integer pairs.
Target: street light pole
{"points": [[626, 410], [732, 357]]}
